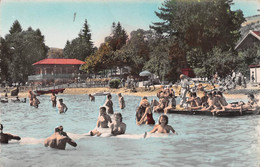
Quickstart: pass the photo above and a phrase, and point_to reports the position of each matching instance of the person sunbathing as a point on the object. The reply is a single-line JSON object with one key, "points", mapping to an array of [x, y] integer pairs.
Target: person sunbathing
{"points": [[172, 103], [251, 104], [210, 105], [194, 101], [218, 107]]}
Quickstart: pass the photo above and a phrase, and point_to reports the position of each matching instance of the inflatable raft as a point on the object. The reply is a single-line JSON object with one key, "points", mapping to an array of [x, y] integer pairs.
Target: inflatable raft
{"points": [[227, 113], [56, 91]]}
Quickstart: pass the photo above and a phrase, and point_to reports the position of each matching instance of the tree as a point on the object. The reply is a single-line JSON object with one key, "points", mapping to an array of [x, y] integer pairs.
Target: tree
{"points": [[21, 50], [247, 57], [99, 60], [199, 26], [135, 53], [16, 27], [4, 61], [118, 37], [85, 34], [80, 47]]}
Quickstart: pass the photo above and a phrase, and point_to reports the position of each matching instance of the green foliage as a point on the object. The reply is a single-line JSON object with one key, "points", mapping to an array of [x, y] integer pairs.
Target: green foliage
{"points": [[80, 47], [198, 27], [16, 27], [4, 60], [135, 53], [219, 61], [118, 37], [114, 83], [247, 57], [99, 60], [85, 34], [21, 49]]}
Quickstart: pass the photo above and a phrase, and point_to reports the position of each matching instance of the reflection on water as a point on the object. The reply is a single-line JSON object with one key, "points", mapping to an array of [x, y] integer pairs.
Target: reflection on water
{"points": [[202, 140]]}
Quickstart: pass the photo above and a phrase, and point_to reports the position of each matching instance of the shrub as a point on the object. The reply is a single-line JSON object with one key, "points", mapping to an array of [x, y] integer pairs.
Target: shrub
{"points": [[114, 83]]}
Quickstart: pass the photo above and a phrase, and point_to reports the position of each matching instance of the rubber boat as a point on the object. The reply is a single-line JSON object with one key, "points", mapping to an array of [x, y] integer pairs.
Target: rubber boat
{"points": [[56, 91]]}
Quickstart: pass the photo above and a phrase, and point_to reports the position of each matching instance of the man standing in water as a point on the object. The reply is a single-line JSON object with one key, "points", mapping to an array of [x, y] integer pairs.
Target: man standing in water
{"points": [[59, 139], [121, 101], [53, 99], [62, 107], [5, 137], [184, 89]]}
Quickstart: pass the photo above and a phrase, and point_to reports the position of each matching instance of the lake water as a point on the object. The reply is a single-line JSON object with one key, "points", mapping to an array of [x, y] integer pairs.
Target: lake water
{"points": [[201, 141]]}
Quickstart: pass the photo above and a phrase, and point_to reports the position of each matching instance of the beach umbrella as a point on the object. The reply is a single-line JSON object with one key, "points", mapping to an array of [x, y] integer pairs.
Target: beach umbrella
{"points": [[145, 73]]}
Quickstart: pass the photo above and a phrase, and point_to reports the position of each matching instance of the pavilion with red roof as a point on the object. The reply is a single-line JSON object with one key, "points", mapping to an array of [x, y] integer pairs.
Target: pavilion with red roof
{"points": [[50, 71]]}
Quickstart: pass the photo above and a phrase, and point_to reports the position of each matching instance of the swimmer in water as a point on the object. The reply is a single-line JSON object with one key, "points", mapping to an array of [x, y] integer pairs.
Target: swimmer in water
{"points": [[35, 101], [118, 127], [5, 137], [62, 107], [59, 139], [121, 101], [53, 99], [91, 97], [109, 104], [163, 126]]}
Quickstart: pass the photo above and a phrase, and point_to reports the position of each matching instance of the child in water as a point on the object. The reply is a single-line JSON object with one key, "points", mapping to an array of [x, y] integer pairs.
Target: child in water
{"points": [[163, 126]]}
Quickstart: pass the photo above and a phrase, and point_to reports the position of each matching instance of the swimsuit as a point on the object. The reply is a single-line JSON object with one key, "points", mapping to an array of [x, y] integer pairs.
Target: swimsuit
{"points": [[150, 119]]}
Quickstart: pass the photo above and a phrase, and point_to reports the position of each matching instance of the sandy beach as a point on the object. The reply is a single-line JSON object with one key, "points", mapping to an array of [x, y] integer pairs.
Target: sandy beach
{"points": [[233, 94]]}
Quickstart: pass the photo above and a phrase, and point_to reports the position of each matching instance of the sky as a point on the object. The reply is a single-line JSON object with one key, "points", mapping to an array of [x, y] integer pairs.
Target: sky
{"points": [[55, 18]]}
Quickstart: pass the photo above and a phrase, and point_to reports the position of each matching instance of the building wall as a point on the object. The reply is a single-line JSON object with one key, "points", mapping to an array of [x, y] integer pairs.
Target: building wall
{"points": [[50, 74], [255, 72], [248, 42], [56, 69]]}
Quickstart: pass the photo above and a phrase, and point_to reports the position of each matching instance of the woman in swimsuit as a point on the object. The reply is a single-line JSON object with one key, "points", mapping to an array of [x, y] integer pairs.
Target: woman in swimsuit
{"points": [[147, 117]]}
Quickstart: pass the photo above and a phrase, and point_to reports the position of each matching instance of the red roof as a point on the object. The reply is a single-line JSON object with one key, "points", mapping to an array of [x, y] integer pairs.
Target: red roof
{"points": [[254, 65], [257, 33], [60, 61]]}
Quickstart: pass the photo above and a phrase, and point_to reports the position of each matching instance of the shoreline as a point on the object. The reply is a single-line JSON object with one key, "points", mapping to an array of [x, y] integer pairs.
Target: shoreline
{"points": [[240, 93]]}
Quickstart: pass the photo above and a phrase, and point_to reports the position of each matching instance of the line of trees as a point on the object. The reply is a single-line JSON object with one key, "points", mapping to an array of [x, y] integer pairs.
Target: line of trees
{"points": [[196, 34]]}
